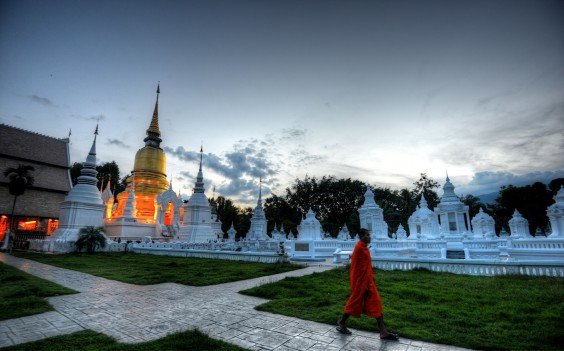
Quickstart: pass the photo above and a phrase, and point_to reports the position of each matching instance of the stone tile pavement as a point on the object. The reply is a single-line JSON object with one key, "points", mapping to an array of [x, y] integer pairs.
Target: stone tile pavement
{"points": [[132, 314]]}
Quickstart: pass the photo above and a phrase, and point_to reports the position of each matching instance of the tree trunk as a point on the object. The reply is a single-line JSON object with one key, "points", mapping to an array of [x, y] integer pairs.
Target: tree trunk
{"points": [[7, 236]]}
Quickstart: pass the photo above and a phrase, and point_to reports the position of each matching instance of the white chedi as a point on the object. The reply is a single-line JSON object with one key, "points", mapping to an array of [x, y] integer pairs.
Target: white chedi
{"points": [[401, 234], [483, 225], [83, 206], [197, 224], [422, 223], [519, 226], [453, 215], [372, 217], [310, 228], [257, 231], [555, 213], [344, 234]]}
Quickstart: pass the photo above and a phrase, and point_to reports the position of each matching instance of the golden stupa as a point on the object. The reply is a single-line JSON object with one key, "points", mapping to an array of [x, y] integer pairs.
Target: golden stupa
{"points": [[149, 173]]}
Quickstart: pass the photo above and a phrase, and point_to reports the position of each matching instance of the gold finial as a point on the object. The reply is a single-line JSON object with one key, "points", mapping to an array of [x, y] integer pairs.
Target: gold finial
{"points": [[154, 126]]}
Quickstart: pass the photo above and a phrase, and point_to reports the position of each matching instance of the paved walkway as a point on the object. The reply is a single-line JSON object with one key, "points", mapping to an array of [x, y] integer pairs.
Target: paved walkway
{"points": [[133, 313]]}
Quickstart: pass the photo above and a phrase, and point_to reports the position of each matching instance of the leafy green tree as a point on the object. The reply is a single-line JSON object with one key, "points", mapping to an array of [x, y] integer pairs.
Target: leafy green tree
{"points": [[335, 201], [531, 201], [397, 206], [474, 204], [279, 212], [108, 171], [227, 212], [90, 238], [75, 172], [20, 178], [243, 223], [555, 185], [427, 185]]}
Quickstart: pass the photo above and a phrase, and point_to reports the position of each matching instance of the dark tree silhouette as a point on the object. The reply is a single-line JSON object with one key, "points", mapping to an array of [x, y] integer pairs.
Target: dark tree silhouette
{"points": [[19, 178], [91, 238]]}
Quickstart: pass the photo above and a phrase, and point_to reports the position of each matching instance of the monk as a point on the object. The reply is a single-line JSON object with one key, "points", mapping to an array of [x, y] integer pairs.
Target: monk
{"points": [[364, 297]]}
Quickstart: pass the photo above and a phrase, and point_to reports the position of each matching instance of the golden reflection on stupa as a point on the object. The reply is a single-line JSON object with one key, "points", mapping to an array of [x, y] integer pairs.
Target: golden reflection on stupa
{"points": [[149, 173]]}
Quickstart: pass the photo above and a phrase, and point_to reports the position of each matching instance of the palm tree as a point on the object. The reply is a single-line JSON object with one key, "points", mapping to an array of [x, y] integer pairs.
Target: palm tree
{"points": [[91, 238], [19, 179]]}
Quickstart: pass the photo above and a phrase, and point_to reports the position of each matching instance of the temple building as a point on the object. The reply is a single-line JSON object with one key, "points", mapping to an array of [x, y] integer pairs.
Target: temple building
{"points": [[37, 210]]}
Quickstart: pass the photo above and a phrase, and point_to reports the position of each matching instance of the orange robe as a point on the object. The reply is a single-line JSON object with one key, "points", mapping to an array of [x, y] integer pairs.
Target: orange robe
{"points": [[364, 296]]}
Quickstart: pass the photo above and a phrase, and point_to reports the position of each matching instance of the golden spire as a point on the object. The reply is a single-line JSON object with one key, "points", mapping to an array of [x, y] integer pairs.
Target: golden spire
{"points": [[154, 126], [153, 133]]}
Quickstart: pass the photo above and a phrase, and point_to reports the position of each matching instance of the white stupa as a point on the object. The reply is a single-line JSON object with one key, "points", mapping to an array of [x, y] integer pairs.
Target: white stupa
{"points": [[555, 213], [519, 226], [197, 224], [483, 225], [83, 206], [310, 228], [257, 231], [422, 224], [452, 214], [372, 217]]}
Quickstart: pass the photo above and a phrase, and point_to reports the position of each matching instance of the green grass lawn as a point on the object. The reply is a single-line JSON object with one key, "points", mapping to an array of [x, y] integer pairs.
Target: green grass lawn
{"points": [[143, 269], [91, 341], [486, 313], [22, 294]]}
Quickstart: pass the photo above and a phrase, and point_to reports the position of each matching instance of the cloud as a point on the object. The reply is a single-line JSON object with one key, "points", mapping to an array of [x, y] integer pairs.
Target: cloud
{"points": [[249, 160], [487, 182], [504, 139], [41, 100], [118, 143]]}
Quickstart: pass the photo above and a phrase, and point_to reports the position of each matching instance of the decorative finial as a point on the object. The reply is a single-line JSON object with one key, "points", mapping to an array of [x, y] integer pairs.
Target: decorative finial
{"points": [[201, 153], [96, 131], [448, 180], [260, 190], [153, 133], [70, 132]]}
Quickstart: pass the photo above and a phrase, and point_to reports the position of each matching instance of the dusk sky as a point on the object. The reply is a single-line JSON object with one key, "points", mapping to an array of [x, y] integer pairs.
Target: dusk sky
{"points": [[378, 91]]}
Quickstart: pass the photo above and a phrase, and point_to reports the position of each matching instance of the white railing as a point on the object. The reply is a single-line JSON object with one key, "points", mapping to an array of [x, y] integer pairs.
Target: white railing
{"points": [[262, 257], [484, 268]]}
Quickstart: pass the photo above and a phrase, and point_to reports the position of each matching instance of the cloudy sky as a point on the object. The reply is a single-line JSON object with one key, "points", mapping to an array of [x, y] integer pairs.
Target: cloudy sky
{"points": [[379, 91]]}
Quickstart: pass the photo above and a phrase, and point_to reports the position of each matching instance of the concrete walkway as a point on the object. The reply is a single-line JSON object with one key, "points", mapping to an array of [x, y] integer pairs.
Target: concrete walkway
{"points": [[133, 313]]}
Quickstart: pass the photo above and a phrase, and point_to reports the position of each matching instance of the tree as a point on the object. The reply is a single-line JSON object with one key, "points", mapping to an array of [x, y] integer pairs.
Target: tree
{"points": [[19, 178], [397, 206], [75, 172], [335, 201], [426, 185], [106, 171], [279, 212], [91, 238], [531, 201], [555, 185], [474, 204]]}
